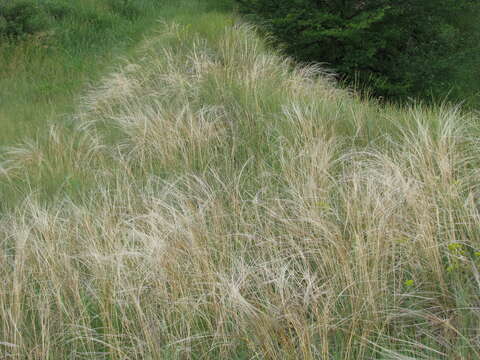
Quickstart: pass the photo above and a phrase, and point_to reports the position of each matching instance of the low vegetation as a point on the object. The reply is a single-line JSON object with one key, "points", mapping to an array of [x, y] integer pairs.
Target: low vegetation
{"points": [[50, 49], [211, 199]]}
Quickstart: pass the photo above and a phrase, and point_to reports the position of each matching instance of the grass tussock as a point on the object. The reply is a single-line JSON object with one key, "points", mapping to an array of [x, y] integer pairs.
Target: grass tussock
{"points": [[216, 201]]}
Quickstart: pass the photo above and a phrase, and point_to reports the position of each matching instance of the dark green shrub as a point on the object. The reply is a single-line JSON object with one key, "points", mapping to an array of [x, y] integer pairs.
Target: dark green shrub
{"points": [[396, 48], [21, 18], [57, 11], [126, 8], [3, 24]]}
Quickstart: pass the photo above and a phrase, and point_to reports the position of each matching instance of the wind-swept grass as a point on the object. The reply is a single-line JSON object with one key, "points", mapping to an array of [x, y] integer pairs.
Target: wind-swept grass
{"points": [[210, 199]]}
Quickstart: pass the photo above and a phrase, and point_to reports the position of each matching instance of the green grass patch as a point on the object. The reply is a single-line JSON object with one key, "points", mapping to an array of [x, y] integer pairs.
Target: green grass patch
{"points": [[47, 61]]}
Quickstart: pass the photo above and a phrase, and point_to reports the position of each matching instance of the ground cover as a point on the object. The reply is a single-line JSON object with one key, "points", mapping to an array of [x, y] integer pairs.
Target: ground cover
{"points": [[208, 198]]}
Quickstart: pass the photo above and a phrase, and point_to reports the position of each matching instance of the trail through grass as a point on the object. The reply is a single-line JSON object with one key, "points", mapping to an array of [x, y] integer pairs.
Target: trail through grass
{"points": [[42, 75]]}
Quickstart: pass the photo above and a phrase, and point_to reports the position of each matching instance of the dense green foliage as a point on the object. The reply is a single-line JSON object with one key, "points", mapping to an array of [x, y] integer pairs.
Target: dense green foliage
{"points": [[397, 48], [22, 18]]}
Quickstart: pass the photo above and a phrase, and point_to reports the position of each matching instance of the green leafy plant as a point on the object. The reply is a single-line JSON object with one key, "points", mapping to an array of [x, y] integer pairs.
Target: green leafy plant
{"points": [[396, 49], [126, 8], [19, 19]]}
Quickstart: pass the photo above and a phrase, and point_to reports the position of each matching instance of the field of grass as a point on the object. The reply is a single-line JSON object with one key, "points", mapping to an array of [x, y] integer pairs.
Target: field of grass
{"points": [[41, 76], [209, 199]]}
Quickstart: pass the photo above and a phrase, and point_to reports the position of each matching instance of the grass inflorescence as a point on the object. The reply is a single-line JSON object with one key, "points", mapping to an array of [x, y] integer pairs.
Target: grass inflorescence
{"points": [[211, 199]]}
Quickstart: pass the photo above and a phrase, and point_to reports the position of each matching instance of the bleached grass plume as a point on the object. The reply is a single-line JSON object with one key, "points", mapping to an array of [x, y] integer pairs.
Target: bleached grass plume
{"points": [[236, 206]]}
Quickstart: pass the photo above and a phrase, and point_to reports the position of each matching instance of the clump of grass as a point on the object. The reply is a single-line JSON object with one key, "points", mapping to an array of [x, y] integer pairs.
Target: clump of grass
{"points": [[235, 205]]}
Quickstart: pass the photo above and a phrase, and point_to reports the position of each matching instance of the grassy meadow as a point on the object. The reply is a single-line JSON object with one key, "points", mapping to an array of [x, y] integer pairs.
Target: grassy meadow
{"points": [[191, 194], [41, 75]]}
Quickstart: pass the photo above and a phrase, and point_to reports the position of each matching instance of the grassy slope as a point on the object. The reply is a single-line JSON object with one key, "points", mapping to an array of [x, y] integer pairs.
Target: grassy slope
{"points": [[40, 77], [211, 200]]}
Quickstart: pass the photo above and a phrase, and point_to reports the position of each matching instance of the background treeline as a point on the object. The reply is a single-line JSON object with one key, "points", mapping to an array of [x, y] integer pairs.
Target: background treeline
{"points": [[396, 49]]}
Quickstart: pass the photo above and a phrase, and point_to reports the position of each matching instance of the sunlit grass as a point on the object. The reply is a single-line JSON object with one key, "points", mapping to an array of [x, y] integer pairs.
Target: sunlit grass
{"points": [[41, 75], [211, 199]]}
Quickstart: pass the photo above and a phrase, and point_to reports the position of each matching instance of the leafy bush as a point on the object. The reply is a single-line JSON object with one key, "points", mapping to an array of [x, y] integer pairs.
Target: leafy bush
{"points": [[126, 8], [18, 19], [397, 48]]}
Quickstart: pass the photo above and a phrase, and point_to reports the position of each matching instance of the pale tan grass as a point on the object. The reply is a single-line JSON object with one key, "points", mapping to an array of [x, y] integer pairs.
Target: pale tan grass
{"points": [[241, 209]]}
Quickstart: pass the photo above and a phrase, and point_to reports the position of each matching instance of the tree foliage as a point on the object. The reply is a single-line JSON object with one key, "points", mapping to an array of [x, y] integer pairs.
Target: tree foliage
{"points": [[20, 18], [396, 48]]}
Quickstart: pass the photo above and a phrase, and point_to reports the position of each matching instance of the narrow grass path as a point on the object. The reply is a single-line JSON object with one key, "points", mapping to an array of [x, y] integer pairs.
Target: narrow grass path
{"points": [[42, 76]]}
